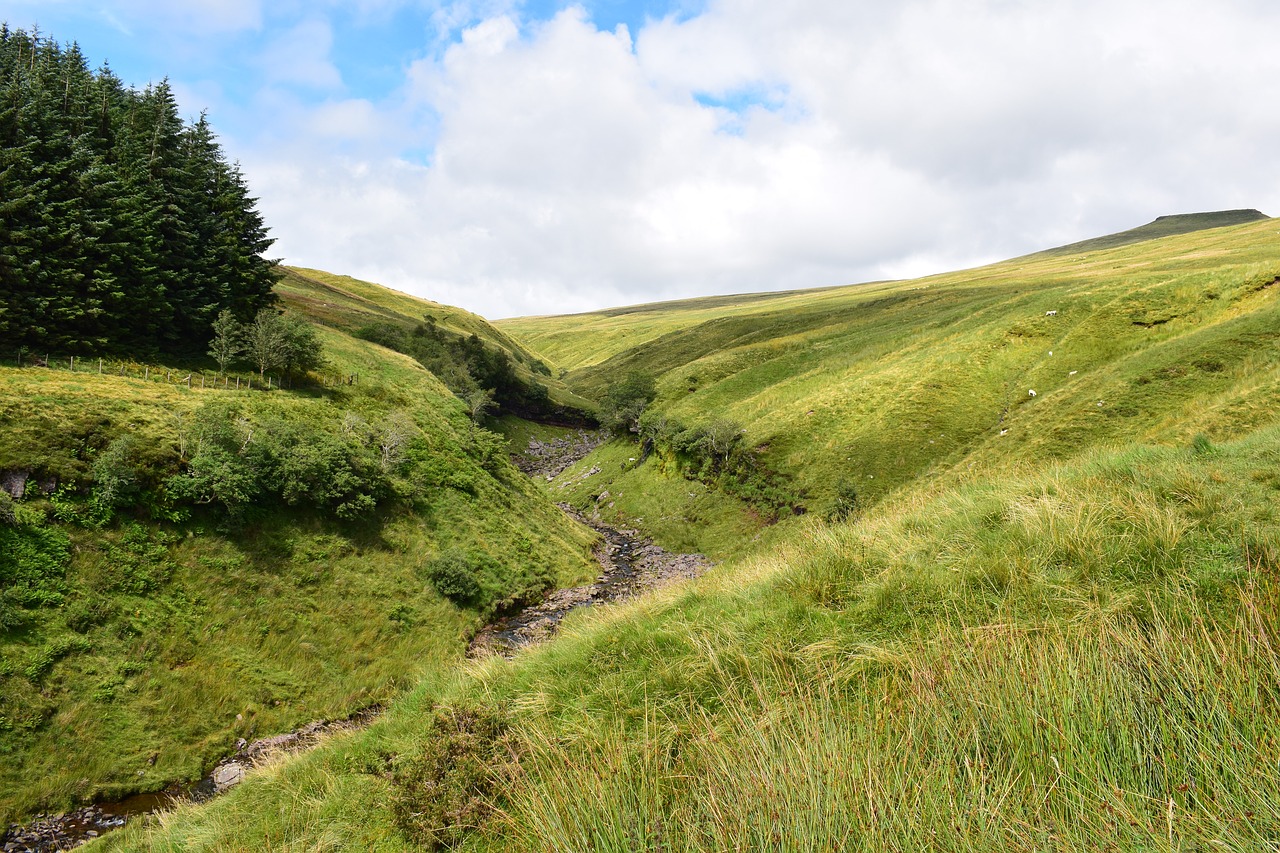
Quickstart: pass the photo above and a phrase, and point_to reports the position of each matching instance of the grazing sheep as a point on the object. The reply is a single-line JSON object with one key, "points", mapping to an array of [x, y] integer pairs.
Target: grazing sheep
{"points": [[1031, 393], [1051, 313]]}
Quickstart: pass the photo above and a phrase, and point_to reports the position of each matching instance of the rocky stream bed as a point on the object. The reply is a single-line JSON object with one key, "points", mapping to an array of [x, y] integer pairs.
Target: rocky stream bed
{"points": [[629, 565]]}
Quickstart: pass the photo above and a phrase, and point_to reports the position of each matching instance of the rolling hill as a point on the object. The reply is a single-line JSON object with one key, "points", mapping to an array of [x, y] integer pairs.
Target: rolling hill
{"points": [[988, 619]]}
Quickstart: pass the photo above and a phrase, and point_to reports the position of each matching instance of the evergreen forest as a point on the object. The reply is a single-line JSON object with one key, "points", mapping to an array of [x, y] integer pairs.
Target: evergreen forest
{"points": [[122, 228]]}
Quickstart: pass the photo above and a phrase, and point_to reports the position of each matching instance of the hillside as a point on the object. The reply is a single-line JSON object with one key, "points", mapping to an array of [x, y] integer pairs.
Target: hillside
{"points": [[1161, 226], [195, 563], [389, 317], [582, 340], [1006, 622], [869, 388]]}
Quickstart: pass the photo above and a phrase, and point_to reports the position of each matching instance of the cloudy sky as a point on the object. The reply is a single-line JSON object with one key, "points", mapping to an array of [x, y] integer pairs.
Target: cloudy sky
{"points": [[543, 157]]}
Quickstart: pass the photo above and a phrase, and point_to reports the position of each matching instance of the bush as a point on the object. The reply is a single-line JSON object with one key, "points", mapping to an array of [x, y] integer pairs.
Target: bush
{"points": [[626, 400], [453, 575], [469, 756], [115, 477], [846, 504]]}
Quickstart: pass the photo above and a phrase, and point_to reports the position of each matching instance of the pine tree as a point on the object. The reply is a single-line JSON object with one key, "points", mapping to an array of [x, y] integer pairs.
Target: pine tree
{"points": [[120, 227]]}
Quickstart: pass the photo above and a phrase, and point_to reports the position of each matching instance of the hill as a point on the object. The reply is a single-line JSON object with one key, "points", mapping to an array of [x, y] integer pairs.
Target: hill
{"points": [[1161, 226], [437, 335], [197, 560], [871, 387], [1007, 622]]}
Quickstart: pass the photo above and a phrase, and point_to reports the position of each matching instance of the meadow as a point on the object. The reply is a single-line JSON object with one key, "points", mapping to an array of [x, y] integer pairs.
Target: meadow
{"points": [[1005, 621]]}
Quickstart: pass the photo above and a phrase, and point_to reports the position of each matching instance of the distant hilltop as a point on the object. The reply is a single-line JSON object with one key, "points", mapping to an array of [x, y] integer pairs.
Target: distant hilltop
{"points": [[1161, 226]]}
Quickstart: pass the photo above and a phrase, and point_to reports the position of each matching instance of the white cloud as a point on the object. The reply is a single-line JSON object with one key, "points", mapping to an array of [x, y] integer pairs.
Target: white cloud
{"points": [[572, 168], [300, 56]]}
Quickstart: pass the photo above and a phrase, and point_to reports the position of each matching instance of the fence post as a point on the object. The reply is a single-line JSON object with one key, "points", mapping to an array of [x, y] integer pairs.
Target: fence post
{"points": [[168, 376], [146, 372], [237, 383], [99, 365], [73, 364], [201, 381]]}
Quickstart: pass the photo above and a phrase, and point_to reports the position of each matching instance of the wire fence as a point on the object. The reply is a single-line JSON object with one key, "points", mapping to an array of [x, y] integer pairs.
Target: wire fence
{"points": [[193, 379]]}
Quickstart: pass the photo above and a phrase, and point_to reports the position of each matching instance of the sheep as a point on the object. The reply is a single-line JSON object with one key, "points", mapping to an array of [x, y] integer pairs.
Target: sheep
{"points": [[1051, 313]]}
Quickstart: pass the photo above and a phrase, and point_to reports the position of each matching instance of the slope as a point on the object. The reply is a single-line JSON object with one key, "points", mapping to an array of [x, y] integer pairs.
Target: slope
{"points": [[370, 311], [1062, 637], [1161, 226], [191, 565], [863, 390]]}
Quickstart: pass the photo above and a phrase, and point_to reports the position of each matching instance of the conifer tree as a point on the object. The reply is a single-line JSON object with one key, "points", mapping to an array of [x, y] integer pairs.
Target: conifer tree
{"points": [[121, 227]]}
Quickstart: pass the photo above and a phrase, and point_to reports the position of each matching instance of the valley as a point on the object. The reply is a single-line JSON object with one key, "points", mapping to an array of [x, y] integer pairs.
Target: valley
{"points": [[992, 562]]}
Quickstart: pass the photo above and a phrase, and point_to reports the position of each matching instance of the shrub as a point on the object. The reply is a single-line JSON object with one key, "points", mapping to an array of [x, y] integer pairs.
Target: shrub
{"points": [[453, 575], [626, 400], [115, 477], [469, 755], [846, 504]]}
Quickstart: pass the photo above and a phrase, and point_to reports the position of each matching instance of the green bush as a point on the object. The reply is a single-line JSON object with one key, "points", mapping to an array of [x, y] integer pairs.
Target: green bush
{"points": [[115, 476], [468, 757], [453, 577], [235, 462], [453, 574], [626, 400], [846, 504]]}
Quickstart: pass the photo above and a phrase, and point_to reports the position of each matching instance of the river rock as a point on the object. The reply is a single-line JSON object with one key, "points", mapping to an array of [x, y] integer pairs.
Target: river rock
{"points": [[228, 776]]}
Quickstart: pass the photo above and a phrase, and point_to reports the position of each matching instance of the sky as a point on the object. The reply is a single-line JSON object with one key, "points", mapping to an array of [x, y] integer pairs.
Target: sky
{"points": [[520, 157]]}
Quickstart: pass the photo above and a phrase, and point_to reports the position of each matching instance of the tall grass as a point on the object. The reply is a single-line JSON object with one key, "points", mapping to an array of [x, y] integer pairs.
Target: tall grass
{"points": [[1117, 733]]}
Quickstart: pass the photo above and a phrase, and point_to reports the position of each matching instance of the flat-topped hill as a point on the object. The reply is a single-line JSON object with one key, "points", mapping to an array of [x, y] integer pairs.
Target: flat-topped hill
{"points": [[1161, 226]]}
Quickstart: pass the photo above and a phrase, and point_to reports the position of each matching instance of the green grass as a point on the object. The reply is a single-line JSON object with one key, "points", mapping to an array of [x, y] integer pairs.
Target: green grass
{"points": [[158, 643], [1085, 658], [349, 304], [1049, 625], [873, 387], [1161, 226]]}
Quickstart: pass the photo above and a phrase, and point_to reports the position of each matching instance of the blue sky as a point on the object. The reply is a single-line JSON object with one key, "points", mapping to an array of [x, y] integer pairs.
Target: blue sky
{"points": [[538, 157]]}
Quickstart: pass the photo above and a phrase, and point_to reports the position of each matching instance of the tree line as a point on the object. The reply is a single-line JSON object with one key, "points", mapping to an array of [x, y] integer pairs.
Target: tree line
{"points": [[485, 377], [122, 228]]}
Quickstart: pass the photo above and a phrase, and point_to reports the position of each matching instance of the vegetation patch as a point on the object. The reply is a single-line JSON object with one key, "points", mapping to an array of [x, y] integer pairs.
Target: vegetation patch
{"points": [[453, 784]]}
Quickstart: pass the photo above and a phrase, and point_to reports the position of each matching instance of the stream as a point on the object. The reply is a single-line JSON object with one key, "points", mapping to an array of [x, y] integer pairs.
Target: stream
{"points": [[629, 565]]}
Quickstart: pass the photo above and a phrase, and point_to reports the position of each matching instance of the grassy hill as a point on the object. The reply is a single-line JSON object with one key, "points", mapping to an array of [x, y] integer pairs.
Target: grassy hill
{"points": [[141, 633], [1162, 226], [1006, 622], [872, 387], [359, 308]]}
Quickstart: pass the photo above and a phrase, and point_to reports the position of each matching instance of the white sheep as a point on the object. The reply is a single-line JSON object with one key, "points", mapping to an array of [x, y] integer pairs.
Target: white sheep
{"points": [[1031, 393]]}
